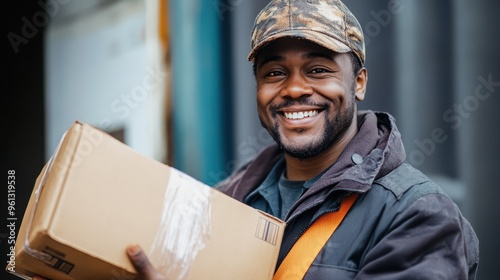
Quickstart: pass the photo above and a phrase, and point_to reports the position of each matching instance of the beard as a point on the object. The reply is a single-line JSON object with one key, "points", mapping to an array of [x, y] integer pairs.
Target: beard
{"points": [[333, 130]]}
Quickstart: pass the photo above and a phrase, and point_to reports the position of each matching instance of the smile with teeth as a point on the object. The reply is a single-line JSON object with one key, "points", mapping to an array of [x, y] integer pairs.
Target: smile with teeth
{"points": [[300, 115]]}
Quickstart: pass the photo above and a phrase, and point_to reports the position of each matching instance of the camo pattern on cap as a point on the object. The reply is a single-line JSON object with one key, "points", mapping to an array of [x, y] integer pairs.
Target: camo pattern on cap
{"points": [[328, 23]]}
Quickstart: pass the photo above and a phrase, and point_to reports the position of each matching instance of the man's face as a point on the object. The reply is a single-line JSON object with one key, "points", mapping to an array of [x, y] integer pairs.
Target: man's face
{"points": [[305, 95]]}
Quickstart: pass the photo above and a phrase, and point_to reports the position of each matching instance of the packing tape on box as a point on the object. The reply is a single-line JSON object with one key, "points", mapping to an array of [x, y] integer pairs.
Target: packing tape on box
{"points": [[184, 228]]}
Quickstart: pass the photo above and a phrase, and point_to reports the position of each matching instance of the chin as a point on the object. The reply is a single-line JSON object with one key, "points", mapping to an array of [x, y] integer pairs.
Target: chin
{"points": [[304, 151]]}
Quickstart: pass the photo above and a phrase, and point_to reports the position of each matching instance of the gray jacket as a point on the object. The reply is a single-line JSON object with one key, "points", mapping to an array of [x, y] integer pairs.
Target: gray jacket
{"points": [[402, 226]]}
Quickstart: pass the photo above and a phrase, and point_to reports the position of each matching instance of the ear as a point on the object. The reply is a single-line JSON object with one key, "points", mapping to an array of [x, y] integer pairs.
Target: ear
{"points": [[361, 81]]}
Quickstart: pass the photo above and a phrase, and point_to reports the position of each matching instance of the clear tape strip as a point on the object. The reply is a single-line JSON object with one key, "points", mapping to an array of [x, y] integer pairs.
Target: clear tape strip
{"points": [[35, 253], [184, 228]]}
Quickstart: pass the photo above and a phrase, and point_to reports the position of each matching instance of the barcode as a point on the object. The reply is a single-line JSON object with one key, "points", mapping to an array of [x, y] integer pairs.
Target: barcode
{"points": [[267, 231], [64, 266], [57, 262]]}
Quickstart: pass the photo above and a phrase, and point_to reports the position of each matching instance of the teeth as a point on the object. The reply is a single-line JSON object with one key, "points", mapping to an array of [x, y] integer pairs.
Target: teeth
{"points": [[300, 115]]}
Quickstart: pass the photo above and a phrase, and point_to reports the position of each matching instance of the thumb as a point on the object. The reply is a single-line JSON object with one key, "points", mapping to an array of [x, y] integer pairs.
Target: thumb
{"points": [[145, 269]]}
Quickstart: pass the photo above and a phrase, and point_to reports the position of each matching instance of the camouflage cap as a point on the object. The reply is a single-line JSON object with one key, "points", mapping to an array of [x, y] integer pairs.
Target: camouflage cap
{"points": [[328, 23]]}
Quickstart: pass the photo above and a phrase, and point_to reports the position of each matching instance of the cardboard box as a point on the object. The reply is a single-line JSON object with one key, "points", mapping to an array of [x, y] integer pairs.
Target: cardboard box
{"points": [[97, 195]]}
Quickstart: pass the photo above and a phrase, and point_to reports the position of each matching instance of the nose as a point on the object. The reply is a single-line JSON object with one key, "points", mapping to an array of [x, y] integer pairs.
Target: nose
{"points": [[296, 87]]}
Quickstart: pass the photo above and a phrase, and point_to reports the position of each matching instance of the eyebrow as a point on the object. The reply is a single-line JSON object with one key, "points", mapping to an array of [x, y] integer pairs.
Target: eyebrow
{"points": [[272, 58], [277, 58]]}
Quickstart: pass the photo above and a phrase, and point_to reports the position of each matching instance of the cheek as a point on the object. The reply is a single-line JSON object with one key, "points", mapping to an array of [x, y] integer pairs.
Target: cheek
{"points": [[264, 97], [262, 103], [337, 93]]}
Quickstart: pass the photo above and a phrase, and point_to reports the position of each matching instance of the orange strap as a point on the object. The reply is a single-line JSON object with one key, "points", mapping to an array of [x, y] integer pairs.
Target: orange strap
{"points": [[305, 250]]}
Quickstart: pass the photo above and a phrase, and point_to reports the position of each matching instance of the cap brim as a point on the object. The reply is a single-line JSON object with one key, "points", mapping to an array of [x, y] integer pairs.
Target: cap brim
{"points": [[313, 36]]}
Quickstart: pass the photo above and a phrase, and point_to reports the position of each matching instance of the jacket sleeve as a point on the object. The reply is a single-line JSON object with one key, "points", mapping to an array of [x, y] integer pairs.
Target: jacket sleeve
{"points": [[429, 240]]}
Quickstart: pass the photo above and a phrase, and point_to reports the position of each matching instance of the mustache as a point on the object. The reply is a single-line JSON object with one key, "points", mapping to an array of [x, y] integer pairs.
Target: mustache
{"points": [[307, 102]]}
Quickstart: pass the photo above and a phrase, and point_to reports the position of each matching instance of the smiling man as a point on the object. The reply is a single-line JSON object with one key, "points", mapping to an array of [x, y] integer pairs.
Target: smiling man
{"points": [[337, 176], [308, 59], [306, 97]]}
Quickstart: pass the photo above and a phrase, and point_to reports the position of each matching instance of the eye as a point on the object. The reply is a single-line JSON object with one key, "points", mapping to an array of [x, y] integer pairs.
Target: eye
{"points": [[319, 71], [275, 74]]}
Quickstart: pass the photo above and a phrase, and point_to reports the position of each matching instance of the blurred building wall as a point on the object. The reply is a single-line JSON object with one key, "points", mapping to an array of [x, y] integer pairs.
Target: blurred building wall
{"points": [[476, 119], [202, 115], [103, 67]]}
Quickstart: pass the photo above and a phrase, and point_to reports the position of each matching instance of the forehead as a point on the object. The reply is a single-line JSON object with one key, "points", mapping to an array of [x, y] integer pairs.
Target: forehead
{"points": [[283, 46]]}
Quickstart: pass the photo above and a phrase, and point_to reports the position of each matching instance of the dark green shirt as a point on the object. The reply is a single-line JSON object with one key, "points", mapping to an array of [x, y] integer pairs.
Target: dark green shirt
{"points": [[276, 195]]}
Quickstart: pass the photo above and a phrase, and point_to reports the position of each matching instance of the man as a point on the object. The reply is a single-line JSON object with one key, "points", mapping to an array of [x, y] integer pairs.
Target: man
{"points": [[308, 59]]}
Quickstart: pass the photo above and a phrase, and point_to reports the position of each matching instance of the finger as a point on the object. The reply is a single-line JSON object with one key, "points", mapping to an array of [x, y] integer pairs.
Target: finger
{"points": [[140, 262]]}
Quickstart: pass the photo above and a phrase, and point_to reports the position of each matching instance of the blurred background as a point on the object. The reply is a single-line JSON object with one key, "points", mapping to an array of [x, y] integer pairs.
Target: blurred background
{"points": [[171, 80]]}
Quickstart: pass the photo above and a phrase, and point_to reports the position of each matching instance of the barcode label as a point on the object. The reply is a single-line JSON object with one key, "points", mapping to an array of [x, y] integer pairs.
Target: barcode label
{"points": [[57, 262], [63, 266], [267, 231]]}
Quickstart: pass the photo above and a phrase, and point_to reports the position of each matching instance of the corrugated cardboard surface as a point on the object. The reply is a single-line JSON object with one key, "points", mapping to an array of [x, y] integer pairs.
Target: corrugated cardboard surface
{"points": [[100, 196]]}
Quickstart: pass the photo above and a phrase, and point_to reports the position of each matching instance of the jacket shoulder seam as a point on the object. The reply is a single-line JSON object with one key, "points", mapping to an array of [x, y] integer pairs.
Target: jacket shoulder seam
{"points": [[403, 178]]}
